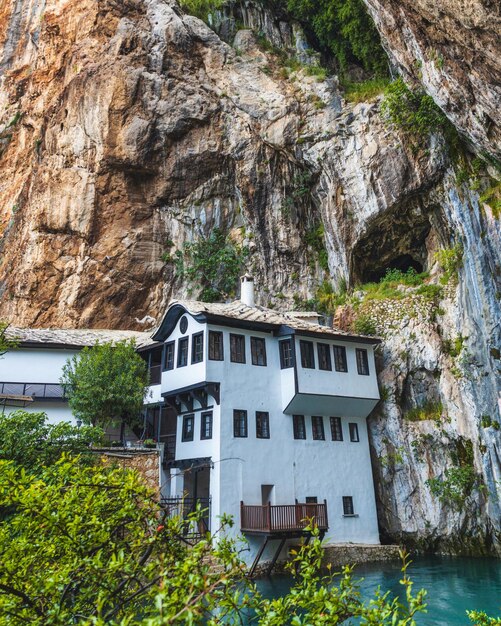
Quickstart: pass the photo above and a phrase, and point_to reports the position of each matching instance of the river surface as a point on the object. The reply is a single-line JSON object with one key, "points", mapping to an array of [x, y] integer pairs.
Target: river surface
{"points": [[454, 585]]}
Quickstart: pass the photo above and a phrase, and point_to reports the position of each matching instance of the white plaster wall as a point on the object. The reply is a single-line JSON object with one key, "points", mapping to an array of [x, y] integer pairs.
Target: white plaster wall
{"points": [[56, 411], [154, 394], [191, 374], [30, 365]]}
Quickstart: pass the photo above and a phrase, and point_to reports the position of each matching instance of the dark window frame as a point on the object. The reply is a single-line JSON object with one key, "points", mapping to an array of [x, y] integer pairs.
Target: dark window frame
{"points": [[286, 360], [262, 428], [336, 425], [169, 345], [182, 341], [354, 432], [303, 347], [311, 500], [340, 360], [194, 346], [362, 362], [185, 434], [233, 353], [254, 342], [318, 434], [203, 431], [325, 347], [212, 335], [299, 427], [238, 431], [348, 507]]}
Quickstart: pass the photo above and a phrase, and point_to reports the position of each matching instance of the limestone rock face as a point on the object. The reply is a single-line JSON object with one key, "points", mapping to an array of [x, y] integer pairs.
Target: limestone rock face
{"points": [[127, 129], [451, 47]]}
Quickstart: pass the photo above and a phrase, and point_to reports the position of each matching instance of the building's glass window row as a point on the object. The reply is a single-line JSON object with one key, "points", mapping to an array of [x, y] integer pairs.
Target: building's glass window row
{"points": [[286, 354], [237, 348], [197, 348], [317, 427], [348, 508], [324, 356], [340, 362], [362, 362], [188, 427], [169, 355], [182, 352], [216, 351], [299, 427], [239, 423], [262, 425], [307, 354], [258, 351], [336, 429], [354, 432], [206, 425]]}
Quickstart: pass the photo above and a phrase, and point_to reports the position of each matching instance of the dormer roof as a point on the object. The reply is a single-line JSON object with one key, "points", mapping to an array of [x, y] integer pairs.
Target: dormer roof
{"points": [[237, 314]]}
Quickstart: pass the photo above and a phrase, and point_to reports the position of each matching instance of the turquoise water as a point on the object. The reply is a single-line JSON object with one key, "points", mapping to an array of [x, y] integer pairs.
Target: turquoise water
{"points": [[453, 584]]}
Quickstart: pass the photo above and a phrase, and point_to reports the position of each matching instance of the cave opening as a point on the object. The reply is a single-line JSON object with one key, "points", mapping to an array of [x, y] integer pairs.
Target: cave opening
{"points": [[403, 262]]}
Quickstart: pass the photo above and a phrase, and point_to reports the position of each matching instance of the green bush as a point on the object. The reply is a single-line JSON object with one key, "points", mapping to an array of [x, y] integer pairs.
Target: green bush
{"points": [[213, 263], [427, 411], [450, 261], [365, 90], [344, 28], [365, 325], [201, 8], [455, 487], [314, 239]]}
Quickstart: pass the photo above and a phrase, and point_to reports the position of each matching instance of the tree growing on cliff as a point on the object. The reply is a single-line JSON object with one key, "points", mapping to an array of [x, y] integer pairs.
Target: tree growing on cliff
{"points": [[106, 384], [6, 342]]}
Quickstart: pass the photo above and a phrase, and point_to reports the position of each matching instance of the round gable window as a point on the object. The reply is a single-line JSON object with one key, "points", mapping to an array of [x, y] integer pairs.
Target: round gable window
{"points": [[183, 325]]}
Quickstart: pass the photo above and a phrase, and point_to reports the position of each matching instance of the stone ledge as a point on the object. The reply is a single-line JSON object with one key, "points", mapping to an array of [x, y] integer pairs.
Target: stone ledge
{"points": [[340, 554]]}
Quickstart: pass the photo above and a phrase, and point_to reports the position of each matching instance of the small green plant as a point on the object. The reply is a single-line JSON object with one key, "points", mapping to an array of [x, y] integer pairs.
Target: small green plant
{"points": [[201, 8], [365, 325], [456, 485], [314, 239], [149, 443], [488, 422], [450, 261], [492, 197], [212, 264], [429, 410], [364, 91]]}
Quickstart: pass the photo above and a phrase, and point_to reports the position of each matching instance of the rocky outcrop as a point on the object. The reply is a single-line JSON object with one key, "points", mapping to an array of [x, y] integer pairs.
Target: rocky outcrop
{"points": [[128, 129], [452, 48]]}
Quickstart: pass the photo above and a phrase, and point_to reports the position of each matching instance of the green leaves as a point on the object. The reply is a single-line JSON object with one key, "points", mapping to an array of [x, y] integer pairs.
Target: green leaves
{"points": [[106, 384]]}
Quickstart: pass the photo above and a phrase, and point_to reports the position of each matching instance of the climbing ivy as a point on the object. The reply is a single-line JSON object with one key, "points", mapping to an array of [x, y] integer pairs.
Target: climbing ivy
{"points": [[212, 265]]}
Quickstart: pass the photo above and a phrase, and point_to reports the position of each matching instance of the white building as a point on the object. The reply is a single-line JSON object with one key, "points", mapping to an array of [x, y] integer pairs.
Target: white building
{"points": [[30, 374], [271, 420]]}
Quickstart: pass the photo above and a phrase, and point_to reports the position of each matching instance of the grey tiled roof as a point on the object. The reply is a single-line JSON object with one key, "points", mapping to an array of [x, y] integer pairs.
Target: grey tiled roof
{"points": [[75, 337], [239, 311]]}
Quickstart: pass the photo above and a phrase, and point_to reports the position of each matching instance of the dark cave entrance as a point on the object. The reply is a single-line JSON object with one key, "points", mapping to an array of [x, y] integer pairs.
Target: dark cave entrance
{"points": [[404, 262]]}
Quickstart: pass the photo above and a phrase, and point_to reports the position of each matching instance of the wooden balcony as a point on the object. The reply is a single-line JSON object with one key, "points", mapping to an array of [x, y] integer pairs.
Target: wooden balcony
{"points": [[282, 519]]}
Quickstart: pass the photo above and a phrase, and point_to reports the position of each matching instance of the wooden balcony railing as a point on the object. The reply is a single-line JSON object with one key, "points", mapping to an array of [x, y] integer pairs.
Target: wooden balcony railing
{"points": [[282, 518]]}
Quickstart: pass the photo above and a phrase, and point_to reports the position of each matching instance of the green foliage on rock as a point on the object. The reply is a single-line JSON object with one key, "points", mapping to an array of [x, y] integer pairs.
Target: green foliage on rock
{"points": [[456, 485], [364, 91], [429, 410], [345, 29], [414, 112], [364, 324], [212, 265], [6, 343], [201, 8], [106, 384], [450, 261], [32, 442], [315, 239]]}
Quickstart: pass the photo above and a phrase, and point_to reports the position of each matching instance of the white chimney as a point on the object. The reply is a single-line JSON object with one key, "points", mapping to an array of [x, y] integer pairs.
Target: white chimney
{"points": [[247, 290]]}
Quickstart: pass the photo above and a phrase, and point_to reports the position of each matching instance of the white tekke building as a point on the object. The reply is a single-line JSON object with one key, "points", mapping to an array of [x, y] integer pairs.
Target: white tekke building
{"points": [[271, 420]]}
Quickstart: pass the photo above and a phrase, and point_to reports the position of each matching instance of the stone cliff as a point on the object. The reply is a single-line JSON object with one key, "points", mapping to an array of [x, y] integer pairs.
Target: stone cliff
{"points": [[128, 129]]}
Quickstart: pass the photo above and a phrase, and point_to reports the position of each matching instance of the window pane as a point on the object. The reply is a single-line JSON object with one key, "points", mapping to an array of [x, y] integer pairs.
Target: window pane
{"points": [[262, 425], [336, 429], [182, 352], [324, 357], [317, 426], [237, 348], [362, 362], [239, 423], [169, 356], [348, 505], [215, 346], [354, 432], [340, 359], [258, 351], [188, 424], [197, 348], [311, 500], [307, 358], [299, 427], [206, 425], [286, 359]]}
